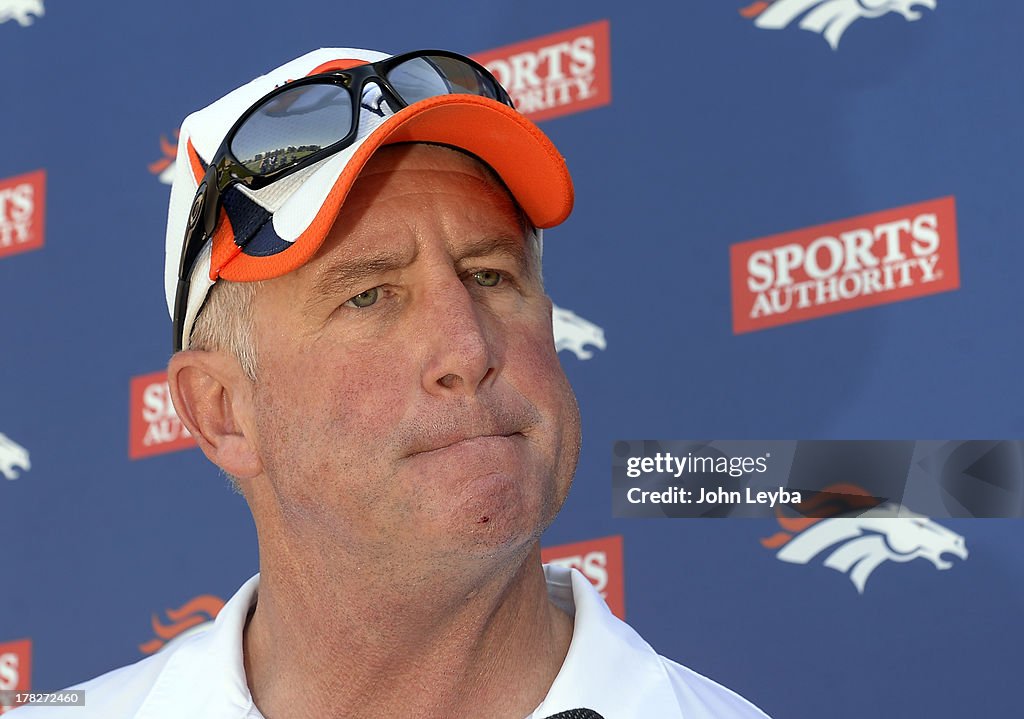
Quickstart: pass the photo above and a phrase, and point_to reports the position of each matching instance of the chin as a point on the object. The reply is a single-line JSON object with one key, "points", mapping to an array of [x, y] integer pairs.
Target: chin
{"points": [[498, 516]]}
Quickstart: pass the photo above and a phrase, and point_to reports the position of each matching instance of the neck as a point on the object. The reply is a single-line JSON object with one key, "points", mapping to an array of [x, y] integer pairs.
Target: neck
{"points": [[330, 639]]}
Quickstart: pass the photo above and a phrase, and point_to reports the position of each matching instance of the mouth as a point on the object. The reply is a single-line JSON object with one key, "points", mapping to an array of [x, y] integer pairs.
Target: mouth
{"points": [[467, 441], [471, 429]]}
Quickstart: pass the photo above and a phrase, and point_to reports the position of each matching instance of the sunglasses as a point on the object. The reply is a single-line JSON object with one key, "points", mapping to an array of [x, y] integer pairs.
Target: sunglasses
{"points": [[302, 122]]}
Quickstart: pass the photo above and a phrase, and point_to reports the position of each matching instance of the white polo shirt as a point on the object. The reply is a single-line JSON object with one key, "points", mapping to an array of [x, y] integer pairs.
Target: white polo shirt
{"points": [[609, 669]]}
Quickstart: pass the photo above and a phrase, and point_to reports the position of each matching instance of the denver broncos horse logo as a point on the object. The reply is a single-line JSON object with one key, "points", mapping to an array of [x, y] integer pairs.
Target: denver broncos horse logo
{"points": [[828, 18], [856, 546], [574, 333], [21, 11], [12, 457]]}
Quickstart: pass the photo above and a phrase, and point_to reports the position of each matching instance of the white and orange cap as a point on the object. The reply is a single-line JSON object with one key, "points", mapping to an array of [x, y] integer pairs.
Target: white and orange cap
{"points": [[266, 233]]}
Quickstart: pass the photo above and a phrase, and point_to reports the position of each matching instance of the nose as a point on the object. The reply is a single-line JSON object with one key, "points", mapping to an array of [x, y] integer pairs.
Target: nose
{"points": [[460, 354]]}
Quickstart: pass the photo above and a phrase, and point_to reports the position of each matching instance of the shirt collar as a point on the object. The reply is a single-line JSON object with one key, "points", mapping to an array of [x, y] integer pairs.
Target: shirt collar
{"points": [[205, 677], [609, 668]]}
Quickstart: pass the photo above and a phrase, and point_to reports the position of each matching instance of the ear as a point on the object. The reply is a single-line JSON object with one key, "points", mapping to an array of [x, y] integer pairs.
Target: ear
{"points": [[214, 400]]}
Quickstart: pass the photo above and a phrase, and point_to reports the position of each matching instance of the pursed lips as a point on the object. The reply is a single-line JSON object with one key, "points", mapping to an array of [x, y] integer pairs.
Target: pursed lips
{"points": [[449, 442]]}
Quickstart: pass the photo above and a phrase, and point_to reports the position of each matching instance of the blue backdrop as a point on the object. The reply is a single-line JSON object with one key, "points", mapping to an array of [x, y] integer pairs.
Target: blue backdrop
{"points": [[714, 128]]}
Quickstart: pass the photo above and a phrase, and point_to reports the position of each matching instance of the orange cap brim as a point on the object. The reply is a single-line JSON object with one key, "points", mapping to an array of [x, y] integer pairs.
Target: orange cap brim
{"points": [[516, 149]]}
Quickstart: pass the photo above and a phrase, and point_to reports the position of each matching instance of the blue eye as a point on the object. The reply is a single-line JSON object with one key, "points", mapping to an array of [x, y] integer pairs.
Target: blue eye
{"points": [[487, 278], [365, 299]]}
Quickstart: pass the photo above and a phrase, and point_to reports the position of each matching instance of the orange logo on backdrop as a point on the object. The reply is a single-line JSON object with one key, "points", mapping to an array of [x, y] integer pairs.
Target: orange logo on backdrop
{"points": [[164, 167], [600, 560], [154, 427], [831, 501], [556, 74], [194, 612], [22, 212], [863, 261], [15, 668]]}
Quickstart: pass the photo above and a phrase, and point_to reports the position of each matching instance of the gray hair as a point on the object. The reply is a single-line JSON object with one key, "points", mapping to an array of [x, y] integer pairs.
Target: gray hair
{"points": [[225, 322]]}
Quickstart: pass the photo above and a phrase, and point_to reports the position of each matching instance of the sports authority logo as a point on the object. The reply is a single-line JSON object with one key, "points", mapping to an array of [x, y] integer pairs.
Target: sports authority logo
{"points": [[828, 18], [164, 167], [21, 11], [860, 262], [856, 546], [555, 74], [575, 334], [22, 209], [13, 457], [600, 560], [154, 427], [15, 668], [190, 617]]}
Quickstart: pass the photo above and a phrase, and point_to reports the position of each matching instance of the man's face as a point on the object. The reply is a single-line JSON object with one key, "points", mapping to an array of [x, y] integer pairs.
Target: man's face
{"points": [[409, 397]]}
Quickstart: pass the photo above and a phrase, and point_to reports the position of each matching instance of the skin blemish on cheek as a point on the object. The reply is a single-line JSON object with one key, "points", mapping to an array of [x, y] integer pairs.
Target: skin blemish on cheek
{"points": [[483, 520]]}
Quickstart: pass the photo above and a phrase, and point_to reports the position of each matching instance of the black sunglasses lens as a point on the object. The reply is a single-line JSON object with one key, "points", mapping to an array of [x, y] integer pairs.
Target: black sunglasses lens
{"points": [[432, 75], [292, 125]]}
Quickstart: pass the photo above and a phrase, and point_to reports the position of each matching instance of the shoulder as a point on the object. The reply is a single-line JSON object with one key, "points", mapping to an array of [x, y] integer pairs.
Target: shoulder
{"points": [[118, 694], [198, 674], [611, 669], [695, 691]]}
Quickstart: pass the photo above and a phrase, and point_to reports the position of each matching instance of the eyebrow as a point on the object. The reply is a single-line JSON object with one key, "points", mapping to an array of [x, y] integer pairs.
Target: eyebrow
{"points": [[512, 247], [346, 274]]}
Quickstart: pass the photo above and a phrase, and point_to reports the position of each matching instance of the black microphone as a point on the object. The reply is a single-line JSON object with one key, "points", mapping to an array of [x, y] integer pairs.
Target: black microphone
{"points": [[577, 714]]}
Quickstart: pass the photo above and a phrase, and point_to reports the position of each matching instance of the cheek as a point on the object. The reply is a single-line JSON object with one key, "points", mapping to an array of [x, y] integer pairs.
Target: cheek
{"points": [[324, 405], [530, 354], [535, 370]]}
